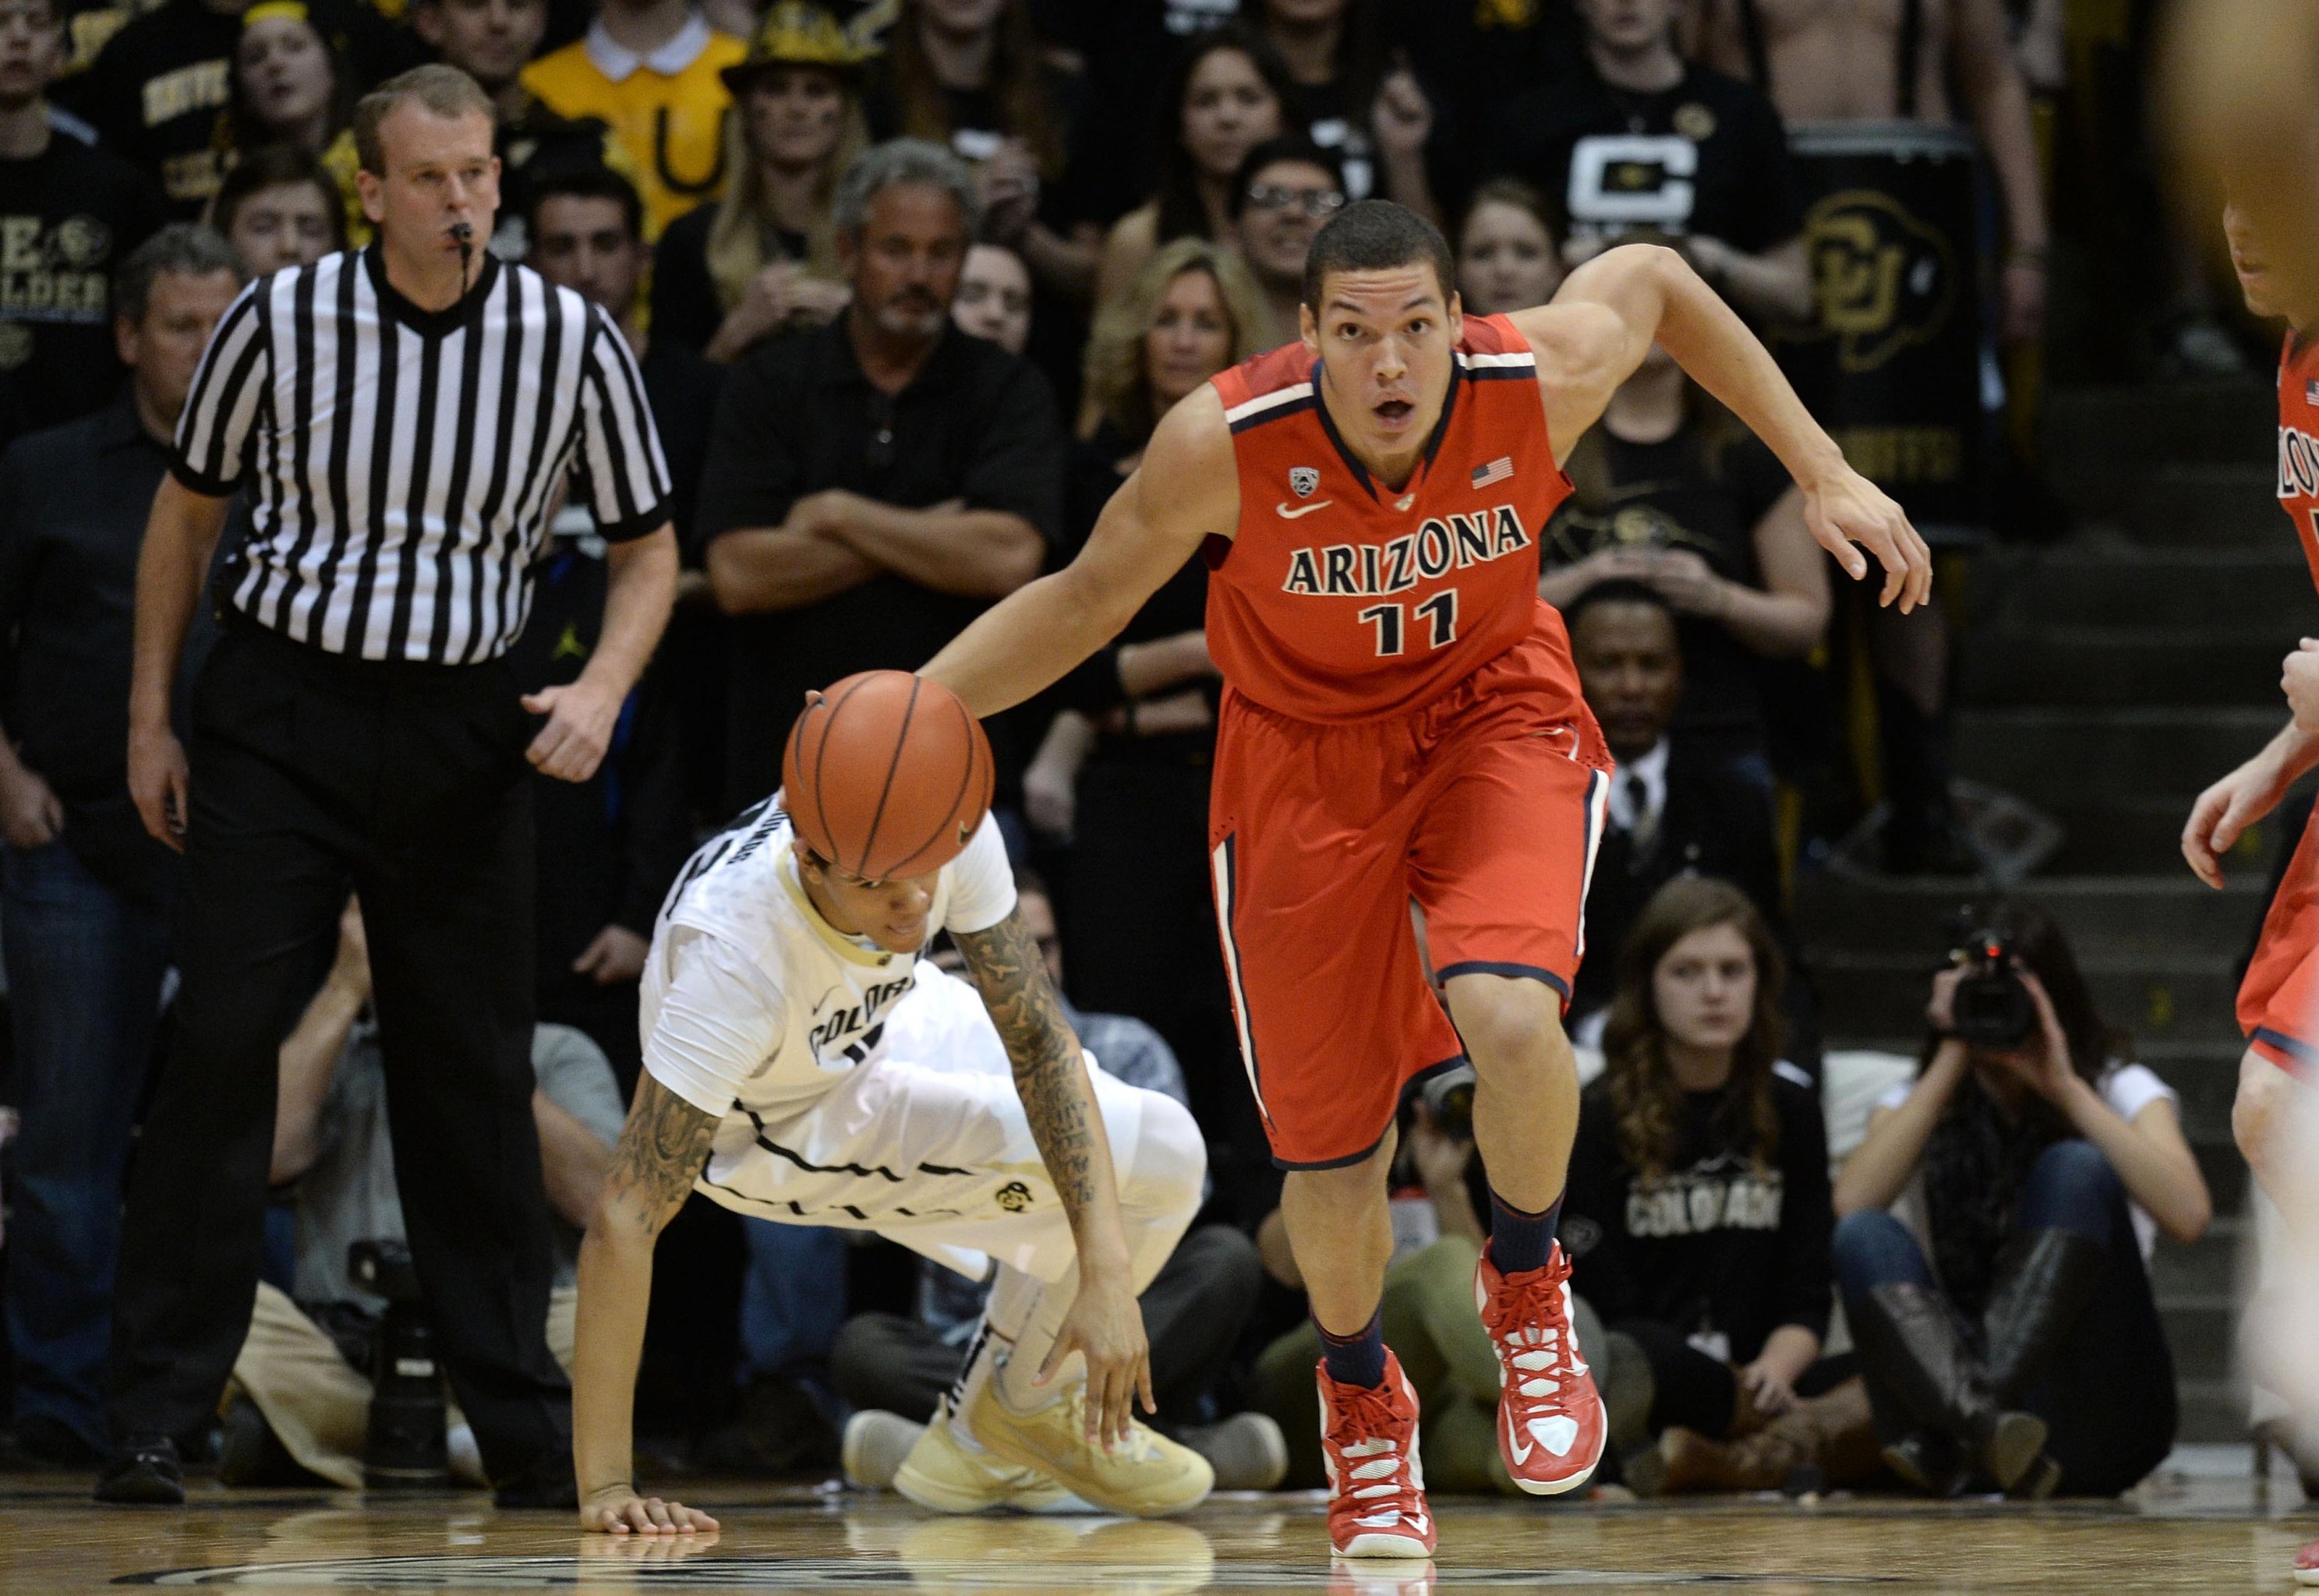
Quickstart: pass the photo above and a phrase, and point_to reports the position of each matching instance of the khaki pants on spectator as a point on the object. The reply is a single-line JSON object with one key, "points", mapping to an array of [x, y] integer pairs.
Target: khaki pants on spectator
{"points": [[319, 1405]]}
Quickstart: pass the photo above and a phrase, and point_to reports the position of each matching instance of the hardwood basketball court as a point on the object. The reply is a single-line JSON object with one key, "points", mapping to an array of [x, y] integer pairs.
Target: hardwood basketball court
{"points": [[2205, 1535]]}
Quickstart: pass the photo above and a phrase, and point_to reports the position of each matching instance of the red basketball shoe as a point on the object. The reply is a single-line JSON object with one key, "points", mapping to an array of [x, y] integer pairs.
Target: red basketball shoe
{"points": [[1376, 1486], [1550, 1425], [2306, 1565]]}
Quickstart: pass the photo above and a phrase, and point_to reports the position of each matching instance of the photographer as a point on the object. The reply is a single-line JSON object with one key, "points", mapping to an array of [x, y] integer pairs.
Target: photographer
{"points": [[1698, 1208], [302, 1391], [2003, 1308]]}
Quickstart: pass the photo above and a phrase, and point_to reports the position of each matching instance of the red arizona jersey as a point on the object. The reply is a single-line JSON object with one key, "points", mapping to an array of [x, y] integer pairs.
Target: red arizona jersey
{"points": [[1339, 599], [2298, 444]]}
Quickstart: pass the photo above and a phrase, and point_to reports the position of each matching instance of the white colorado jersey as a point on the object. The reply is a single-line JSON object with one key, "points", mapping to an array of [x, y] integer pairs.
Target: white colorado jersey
{"points": [[751, 1002]]}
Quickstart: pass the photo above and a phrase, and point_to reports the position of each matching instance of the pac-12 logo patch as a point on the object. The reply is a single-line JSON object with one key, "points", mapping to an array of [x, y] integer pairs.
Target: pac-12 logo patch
{"points": [[1303, 480]]}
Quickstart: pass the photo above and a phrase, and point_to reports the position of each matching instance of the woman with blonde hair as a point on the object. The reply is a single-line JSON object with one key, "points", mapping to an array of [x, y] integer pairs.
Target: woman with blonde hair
{"points": [[1125, 765], [765, 256]]}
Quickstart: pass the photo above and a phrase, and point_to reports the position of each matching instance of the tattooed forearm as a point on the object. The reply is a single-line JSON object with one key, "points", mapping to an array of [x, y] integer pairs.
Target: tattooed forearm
{"points": [[1056, 1094], [662, 1150]]}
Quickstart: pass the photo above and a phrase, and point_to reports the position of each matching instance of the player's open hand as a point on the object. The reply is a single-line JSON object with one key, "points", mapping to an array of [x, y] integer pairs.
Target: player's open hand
{"points": [[578, 730], [617, 1510], [1848, 514], [2223, 812], [1106, 1326]]}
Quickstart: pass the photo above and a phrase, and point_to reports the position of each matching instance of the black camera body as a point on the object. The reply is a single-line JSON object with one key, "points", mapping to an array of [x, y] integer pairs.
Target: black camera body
{"points": [[406, 1446], [1991, 1006], [1449, 1098]]}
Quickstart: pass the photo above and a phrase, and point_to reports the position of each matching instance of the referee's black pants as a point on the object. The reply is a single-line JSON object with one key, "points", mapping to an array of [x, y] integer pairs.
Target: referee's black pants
{"points": [[311, 773]]}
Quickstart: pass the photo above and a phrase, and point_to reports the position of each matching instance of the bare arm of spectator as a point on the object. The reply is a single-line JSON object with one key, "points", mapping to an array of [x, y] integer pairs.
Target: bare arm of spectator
{"points": [[1441, 1160], [180, 536], [1784, 618], [1273, 1250], [1402, 120], [572, 1161], [1775, 285], [1879, 1168], [754, 570], [1603, 322], [1997, 98], [1050, 782], [1146, 668], [981, 553], [310, 1054]]}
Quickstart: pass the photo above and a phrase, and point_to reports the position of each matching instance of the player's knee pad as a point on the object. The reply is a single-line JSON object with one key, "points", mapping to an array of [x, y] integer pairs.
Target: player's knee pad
{"points": [[1170, 1169]]}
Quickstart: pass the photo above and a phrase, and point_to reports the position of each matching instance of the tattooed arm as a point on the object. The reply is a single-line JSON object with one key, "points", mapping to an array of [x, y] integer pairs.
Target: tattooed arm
{"points": [[1051, 1075], [662, 1150]]}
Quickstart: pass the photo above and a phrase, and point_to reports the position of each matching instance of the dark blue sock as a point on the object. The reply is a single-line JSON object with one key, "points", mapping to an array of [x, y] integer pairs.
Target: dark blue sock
{"points": [[1358, 1359], [1519, 1241]]}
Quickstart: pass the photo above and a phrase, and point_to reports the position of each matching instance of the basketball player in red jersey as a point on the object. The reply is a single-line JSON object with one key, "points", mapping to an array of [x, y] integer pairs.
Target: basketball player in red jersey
{"points": [[1402, 721], [2279, 1001]]}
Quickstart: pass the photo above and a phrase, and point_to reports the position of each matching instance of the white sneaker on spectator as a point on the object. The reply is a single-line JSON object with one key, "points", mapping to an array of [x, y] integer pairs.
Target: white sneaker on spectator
{"points": [[875, 1444], [1247, 1450]]}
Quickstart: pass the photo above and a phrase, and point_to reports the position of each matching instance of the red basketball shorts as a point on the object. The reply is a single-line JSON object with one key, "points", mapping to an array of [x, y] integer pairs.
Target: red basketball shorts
{"points": [[1485, 807], [2279, 1001]]}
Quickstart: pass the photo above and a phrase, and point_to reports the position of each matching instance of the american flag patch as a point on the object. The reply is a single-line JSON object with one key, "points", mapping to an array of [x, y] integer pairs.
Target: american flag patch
{"points": [[2311, 391], [1502, 467]]}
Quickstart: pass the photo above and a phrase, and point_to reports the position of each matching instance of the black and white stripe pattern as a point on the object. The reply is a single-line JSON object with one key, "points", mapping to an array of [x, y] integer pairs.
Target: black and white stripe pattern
{"points": [[400, 462]]}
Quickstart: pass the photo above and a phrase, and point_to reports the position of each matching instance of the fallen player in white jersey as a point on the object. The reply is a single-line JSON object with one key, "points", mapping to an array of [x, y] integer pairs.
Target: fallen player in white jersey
{"points": [[772, 1083]]}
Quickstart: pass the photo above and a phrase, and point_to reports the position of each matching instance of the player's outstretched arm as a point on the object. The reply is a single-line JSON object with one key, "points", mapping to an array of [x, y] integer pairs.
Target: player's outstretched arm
{"points": [[662, 1150], [1104, 1323], [1602, 323], [1185, 490]]}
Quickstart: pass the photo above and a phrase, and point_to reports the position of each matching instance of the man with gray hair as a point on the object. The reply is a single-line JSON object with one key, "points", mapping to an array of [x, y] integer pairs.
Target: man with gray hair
{"points": [[872, 485], [85, 893]]}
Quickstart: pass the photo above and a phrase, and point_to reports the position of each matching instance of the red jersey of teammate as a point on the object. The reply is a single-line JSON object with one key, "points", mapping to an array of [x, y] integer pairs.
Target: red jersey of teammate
{"points": [[2298, 444], [1342, 600], [2278, 1000]]}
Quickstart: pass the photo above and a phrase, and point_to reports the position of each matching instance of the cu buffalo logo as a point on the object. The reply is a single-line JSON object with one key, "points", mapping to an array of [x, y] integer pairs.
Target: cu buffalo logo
{"points": [[1014, 1196], [1885, 280]]}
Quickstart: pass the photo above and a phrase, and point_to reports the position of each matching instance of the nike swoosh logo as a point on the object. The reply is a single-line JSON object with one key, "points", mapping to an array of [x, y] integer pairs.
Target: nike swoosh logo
{"points": [[1521, 1453], [1286, 514]]}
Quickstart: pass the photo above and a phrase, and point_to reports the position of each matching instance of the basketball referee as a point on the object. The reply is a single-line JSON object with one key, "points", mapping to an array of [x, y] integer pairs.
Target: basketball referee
{"points": [[401, 421]]}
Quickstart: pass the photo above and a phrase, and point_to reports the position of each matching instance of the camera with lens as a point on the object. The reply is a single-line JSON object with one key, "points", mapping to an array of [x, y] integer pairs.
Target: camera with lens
{"points": [[1991, 1006], [405, 1449], [1449, 1098]]}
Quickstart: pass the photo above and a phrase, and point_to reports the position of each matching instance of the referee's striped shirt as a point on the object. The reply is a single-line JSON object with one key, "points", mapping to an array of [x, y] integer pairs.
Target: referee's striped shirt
{"points": [[400, 462]]}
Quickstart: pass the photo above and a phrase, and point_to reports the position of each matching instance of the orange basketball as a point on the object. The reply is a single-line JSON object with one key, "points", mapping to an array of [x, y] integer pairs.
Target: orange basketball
{"points": [[886, 774]]}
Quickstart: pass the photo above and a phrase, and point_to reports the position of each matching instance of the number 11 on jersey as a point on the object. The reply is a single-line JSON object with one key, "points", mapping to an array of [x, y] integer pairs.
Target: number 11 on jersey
{"points": [[1440, 611]]}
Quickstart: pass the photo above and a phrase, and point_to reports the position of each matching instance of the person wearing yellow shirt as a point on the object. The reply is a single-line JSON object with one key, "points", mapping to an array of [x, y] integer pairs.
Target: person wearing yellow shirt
{"points": [[649, 68]]}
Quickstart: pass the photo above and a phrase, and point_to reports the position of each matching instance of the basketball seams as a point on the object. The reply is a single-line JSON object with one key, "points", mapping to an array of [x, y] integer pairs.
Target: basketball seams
{"points": [[821, 763], [893, 763], [977, 746]]}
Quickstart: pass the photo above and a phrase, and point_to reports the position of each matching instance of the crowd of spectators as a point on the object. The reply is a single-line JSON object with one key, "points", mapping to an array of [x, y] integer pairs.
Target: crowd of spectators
{"points": [[910, 283]]}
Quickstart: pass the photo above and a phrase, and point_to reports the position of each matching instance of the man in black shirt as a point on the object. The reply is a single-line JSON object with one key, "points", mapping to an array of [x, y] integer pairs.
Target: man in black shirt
{"points": [[1667, 817], [84, 893], [609, 846], [68, 214], [1637, 141], [872, 485], [155, 91]]}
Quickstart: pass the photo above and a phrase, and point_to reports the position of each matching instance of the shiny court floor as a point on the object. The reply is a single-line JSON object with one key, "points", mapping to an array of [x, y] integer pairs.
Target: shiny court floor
{"points": [[2204, 1536]]}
